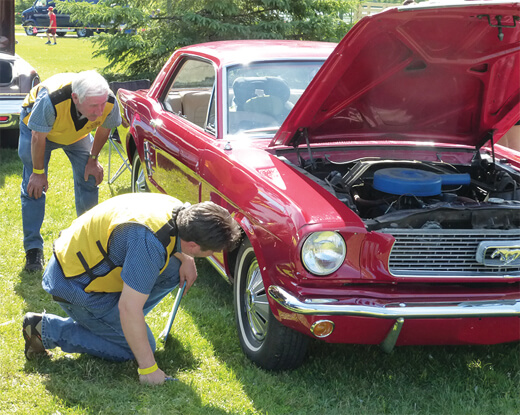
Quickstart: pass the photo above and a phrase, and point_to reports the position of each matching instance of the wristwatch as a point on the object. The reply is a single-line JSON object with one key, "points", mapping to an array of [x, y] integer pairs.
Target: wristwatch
{"points": [[93, 157]]}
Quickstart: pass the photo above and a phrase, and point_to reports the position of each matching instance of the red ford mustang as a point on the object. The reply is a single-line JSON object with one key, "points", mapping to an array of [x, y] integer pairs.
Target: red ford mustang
{"points": [[375, 202]]}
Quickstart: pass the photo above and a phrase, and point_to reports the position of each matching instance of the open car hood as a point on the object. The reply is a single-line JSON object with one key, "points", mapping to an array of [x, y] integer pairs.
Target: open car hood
{"points": [[430, 72]]}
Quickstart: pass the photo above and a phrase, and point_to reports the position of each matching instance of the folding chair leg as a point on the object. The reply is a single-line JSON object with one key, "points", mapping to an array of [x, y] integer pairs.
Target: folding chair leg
{"points": [[125, 165]]}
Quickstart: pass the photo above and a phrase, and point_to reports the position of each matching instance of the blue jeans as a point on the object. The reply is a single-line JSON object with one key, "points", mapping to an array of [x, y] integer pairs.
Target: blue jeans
{"points": [[33, 210], [98, 332]]}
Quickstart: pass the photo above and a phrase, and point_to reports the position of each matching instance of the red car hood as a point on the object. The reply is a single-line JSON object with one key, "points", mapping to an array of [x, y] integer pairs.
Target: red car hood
{"points": [[432, 72]]}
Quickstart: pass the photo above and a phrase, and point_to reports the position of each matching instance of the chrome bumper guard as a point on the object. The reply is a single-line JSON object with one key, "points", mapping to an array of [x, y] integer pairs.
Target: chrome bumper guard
{"points": [[397, 311]]}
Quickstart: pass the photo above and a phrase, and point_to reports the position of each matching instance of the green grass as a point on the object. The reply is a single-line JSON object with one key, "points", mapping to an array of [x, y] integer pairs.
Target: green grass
{"points": [[203, 351], [71, 54]]}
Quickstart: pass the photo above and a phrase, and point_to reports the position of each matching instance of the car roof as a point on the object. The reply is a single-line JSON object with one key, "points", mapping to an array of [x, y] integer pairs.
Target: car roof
{"points": [[234, 51]]}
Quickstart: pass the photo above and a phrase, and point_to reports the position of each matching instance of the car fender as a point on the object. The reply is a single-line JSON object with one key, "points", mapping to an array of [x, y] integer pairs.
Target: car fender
{"points": [[289, 204]]}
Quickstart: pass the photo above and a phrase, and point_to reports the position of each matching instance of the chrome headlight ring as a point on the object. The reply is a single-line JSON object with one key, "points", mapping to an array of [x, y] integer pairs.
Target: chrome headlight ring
{"points": [[323, 252]]}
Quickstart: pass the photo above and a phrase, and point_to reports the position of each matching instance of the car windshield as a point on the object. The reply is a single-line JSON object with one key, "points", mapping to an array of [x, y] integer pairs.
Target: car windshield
{"points": [[260, 95]]}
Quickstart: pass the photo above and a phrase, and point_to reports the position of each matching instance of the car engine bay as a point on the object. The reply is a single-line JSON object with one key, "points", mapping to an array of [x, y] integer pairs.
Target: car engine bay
{"points": [[399, 194]]}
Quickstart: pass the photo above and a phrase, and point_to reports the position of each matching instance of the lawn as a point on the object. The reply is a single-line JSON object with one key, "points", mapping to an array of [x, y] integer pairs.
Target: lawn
{"points": [[71, 54], [203, 351]]}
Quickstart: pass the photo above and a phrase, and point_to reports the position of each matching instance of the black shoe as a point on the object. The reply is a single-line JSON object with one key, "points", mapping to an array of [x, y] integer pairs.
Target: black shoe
{"points": [[32, 335], [34, 260]]}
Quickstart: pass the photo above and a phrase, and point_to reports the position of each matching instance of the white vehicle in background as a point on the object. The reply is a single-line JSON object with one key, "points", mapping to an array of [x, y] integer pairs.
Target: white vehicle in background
{"points": [[17, 78]]}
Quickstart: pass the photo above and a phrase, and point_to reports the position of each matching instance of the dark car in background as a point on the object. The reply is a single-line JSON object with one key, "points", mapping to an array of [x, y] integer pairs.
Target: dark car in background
{"points": [[36, 20], [17, 78]]}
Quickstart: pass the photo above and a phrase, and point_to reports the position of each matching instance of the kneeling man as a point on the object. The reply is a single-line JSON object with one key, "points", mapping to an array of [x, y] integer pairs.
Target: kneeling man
{"points": [[113, 265]]}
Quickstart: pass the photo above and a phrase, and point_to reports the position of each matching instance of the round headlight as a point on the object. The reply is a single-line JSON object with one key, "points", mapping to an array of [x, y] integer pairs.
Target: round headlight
{"points": [[323, 252]]}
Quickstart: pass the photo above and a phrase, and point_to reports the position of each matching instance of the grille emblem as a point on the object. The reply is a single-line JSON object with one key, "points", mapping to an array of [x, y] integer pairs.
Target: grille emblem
{"points": [[507, 256], [499, 253]]}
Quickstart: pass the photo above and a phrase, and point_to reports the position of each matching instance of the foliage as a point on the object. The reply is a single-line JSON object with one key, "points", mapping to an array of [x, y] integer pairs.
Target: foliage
{"points": [[142, 34], [19, 7]]}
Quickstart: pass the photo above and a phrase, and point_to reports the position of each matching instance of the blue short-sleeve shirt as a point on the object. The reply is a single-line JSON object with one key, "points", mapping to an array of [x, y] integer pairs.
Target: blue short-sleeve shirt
{"points": [[132, 246]]}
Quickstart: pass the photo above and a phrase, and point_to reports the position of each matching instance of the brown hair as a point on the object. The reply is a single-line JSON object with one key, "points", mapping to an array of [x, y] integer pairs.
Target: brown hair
{"points": [[208, 225]]}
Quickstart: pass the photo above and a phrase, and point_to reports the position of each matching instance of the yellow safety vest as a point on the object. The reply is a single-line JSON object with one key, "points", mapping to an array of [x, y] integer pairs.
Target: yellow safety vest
{"points": [[68, 127], [84, 245]]}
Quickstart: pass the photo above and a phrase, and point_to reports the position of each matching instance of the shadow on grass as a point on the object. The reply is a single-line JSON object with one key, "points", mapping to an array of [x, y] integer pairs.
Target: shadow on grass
{"points": [[116, 188], [96, 386], [29, 287], [10, 164], [342, 378]]}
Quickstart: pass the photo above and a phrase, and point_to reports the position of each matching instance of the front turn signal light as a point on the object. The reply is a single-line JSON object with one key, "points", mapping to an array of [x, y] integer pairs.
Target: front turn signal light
{"points": [[322, 328]]}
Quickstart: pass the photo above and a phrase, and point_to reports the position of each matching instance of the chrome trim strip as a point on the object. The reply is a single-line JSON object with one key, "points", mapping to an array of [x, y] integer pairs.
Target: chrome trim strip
{"points": [[499, 308], [219, 268]]}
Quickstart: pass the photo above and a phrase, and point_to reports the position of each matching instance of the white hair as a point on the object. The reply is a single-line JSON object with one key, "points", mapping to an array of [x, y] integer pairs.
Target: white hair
{"points": [[89, 84]]}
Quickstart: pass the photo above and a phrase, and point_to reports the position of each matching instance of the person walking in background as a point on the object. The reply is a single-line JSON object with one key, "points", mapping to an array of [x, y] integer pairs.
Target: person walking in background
{"points": [[113, 265], [61, 112], [51, 31]]}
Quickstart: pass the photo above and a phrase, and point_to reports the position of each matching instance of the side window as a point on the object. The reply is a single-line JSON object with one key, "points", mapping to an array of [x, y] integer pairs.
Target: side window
{"points": [[190, 93]]}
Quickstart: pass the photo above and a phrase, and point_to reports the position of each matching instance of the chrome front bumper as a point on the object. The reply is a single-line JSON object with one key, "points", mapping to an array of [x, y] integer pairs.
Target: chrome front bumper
{"points": [[463, 309], [397, 311]]}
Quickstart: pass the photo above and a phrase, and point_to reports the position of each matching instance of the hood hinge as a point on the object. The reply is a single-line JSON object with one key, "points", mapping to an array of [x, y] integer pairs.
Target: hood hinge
{"points": [[303, 133], [488, 137]]}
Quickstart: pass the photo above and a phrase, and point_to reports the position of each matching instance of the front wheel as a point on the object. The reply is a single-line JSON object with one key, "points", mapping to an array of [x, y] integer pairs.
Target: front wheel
{"points": [[138, 176], [29, 30], [83, 32], [264, 340]]}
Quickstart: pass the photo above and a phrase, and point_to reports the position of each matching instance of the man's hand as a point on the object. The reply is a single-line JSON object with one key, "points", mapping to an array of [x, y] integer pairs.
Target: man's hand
{"points": [[37, 185], [187, 271], [155, 378], [94, 168], [131, 314]]}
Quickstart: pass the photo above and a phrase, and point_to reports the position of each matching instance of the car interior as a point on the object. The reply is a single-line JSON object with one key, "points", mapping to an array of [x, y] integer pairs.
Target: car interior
{"points": [[190, 104], [259, 102]]}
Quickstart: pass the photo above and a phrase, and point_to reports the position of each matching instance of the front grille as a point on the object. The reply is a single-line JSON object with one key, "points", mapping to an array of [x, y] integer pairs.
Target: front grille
{"points": [[445, 253]]}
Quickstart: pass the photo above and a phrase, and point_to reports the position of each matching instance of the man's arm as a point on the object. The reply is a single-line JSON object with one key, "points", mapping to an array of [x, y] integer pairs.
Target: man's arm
{"points": [[187, 270], [131, 314], [38, 181], [93, 166]]}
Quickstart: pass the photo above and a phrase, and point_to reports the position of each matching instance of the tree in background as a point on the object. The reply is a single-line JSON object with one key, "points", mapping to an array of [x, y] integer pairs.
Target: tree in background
{"points": [[19, 7], [142, 34]]}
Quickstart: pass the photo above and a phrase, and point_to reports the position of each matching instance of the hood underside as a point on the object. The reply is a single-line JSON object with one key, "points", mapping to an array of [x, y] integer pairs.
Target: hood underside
{"points": [[433, 72]]}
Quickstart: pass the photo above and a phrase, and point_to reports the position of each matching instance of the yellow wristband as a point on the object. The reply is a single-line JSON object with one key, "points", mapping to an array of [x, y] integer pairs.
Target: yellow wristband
{"points": [[148, 370], [38, 171]]}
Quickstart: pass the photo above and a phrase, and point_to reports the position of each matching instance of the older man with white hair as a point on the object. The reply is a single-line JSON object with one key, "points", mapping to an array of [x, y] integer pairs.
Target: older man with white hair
{"points": [[61, 112]]}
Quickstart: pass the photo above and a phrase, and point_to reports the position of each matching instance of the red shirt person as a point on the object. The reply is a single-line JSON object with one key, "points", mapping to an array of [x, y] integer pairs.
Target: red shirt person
{"points": [[51, 31]]}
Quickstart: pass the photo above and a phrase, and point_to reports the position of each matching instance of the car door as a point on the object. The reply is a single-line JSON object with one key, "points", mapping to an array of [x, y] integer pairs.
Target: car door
{"points": [[41, 16], [62, 20], [181, 130]]}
